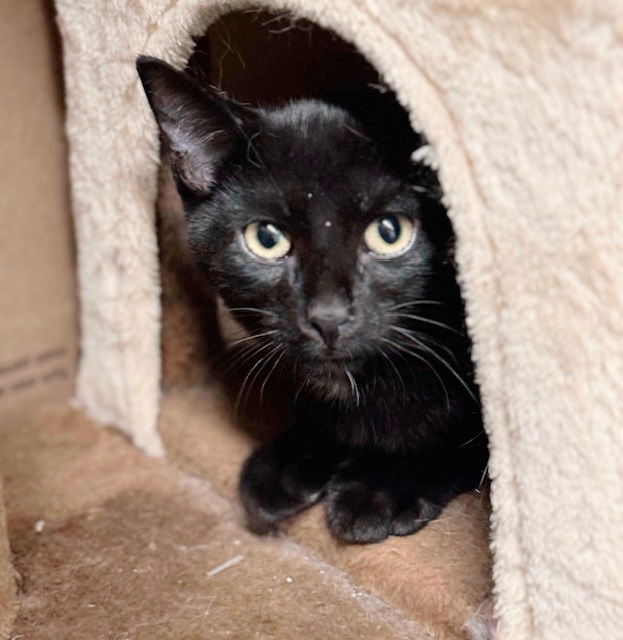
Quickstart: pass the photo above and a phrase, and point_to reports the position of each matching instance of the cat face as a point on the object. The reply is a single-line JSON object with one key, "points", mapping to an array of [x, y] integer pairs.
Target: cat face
{"points": [[316, 247]]}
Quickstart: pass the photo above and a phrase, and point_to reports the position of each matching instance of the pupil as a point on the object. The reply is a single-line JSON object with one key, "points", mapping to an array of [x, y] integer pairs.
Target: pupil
{"points": [[268, 235], [389, 229]]}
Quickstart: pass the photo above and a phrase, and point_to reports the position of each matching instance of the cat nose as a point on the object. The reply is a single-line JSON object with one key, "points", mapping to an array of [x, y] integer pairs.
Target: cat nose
{"points": [[326, 317]]}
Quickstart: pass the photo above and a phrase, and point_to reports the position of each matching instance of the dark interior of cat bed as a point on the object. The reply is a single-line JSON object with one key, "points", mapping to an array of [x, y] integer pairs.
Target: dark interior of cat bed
{"points": [[440, 576]]}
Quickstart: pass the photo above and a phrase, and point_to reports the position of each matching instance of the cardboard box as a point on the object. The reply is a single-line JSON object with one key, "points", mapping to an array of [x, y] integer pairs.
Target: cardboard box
{"points": [[38, 305]]}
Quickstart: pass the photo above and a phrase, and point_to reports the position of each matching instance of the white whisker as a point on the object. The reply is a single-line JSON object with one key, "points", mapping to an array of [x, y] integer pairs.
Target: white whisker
{"points": [[247, 383], [253, 336], [409, 336], [483, 476], [393, 366], [413, 303], [246, 353], [353, 385], [418, 356], [276, 363], [251, 310], [427, 321]]}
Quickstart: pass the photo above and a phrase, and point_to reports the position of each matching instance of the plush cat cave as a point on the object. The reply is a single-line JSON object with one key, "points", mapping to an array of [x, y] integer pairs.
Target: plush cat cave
{"points": [[522, 105]]}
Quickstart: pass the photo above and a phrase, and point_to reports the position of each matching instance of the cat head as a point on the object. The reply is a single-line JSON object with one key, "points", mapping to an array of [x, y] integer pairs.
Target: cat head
{"points": [[310, 231]]}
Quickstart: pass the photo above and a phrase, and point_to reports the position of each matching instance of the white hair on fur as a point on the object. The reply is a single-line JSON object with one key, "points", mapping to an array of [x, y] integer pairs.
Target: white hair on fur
{"points": [[482, 625]]}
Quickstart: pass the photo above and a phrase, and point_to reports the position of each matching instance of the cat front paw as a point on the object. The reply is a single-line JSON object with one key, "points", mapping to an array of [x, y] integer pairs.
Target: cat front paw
{"points": [[273, 489], [362, 513]]}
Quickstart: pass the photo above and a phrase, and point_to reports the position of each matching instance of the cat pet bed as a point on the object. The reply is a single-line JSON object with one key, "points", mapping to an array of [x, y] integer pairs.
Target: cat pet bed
{"points": [[522, 104]]}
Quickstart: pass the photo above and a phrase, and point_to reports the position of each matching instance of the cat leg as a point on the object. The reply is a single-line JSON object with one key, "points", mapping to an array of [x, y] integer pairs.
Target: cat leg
{"points": [[286, 476], [375, 496]]}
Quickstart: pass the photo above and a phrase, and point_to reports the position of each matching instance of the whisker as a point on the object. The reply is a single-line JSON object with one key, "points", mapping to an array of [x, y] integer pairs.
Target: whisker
{"points": [[253, 336], [413, 303], [464, 444], [242, 395], [265, 360], [277, 361], [226, 363], [483, 476], [424, 338], [353, 385], [246, 354], [301, 387], [418, 356], [265, 312], [409, 336], [428, 321], [393, 366]]}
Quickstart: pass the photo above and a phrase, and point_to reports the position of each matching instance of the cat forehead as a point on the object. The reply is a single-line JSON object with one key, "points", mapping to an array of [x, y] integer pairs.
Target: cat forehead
{"points": [[308, 129], [311, 146], [303, 116], [304, 198], [310, 159]]}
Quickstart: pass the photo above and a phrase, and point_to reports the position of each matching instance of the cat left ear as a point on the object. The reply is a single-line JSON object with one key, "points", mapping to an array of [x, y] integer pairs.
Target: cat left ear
{"points": [[200, 126]]}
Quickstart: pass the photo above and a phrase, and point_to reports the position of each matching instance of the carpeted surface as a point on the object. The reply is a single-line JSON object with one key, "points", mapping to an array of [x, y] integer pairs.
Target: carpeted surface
{"points": [[7, 582], [112, 544], [439, 577]]}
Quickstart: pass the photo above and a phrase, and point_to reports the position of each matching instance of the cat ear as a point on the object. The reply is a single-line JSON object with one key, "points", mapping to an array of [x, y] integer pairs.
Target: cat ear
{"points": [[200, 126]]}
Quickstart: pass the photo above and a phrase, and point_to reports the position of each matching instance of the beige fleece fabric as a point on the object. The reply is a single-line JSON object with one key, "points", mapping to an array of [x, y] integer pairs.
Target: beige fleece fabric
{"points": [[522, 102]]}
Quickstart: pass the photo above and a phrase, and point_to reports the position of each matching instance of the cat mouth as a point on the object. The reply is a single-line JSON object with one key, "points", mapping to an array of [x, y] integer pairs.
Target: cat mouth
{"points": [[328, 372], [333, 360], [330, 382]]}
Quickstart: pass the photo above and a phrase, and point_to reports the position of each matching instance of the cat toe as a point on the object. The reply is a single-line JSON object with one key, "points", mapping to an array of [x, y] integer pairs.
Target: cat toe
{"points": [[271, 493], [259, 521], [412, 519], [358, 513]]}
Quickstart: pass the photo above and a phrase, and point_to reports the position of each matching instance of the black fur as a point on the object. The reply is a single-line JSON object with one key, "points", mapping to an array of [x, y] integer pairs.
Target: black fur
{"points": [[387, 424]]}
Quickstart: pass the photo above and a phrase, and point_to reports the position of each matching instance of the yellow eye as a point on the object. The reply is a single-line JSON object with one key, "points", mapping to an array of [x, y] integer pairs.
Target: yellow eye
{"points": [[266, 241], [389, 236]]}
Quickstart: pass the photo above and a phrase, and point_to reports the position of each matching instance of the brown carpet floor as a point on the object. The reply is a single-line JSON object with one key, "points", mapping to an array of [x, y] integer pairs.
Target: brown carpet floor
{"points": [[109, 543]]}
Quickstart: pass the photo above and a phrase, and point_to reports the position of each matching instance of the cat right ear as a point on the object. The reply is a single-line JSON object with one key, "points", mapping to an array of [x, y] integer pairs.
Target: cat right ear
{"points": [[199, 126]]}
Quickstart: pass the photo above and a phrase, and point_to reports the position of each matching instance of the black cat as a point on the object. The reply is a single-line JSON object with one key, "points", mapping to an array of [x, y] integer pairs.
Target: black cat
{"points": [[329, 248]]}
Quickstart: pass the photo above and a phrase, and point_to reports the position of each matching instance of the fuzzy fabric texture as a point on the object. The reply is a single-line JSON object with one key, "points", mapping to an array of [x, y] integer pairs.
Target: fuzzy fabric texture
{"points": [[521, 102], [112, 543]]}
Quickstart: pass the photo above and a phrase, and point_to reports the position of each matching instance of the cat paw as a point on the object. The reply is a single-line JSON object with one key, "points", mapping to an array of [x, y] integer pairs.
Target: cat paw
{"points": [[360, 513], [272, 490]]}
